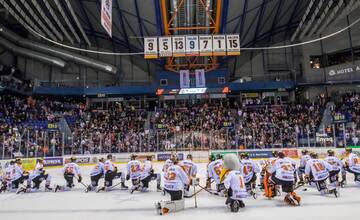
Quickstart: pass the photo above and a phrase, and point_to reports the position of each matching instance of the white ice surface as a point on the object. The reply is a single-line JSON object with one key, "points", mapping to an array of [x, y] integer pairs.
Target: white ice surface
{"points": [[120, 204]]}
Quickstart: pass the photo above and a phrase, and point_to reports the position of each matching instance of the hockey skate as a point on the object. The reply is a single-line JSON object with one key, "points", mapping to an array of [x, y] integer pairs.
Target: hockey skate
{"points": [[48, 188], [124, 187], [57, 188], [158, 188], [21, 189], [100, 189]]}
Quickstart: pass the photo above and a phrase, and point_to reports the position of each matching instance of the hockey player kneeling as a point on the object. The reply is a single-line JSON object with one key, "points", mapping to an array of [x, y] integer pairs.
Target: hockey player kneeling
{"points": [[352, 165], [234, 183], [70, 171], [190, 169], [19, 176], [110, 173], [135, 173], [283, 173], [174, 183], [317, 171], [37, 177], [96, 174]]}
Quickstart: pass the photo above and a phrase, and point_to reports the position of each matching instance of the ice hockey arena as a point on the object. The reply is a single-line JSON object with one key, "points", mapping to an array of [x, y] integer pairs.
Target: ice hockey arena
{"points": [[179, 109]]}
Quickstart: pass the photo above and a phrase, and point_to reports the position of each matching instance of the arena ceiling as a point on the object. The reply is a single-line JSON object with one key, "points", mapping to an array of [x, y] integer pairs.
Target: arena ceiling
{"points": [[77, 23]]}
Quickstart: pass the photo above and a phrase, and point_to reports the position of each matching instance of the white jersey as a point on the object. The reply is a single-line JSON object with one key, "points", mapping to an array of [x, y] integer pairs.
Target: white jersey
{"points": [[108, 166], [9, 172], [249, 168], [189, 167], [17, 172], [284, 169], [167, 164], [147, 167], [38, 169], [134, 169], [215, 169], [175, 178], [270, 163], [99, 168], [335, 162], [353, 161], [236, 182], [303, 160], [319, 169], [72, 168]]}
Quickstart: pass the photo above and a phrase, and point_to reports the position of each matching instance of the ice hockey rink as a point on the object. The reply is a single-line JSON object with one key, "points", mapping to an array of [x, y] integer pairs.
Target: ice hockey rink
{"points": [[120, 204]]}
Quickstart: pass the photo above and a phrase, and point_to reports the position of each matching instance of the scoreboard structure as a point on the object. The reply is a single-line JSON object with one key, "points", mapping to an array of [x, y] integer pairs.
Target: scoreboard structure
{"points": [[192, 46]]}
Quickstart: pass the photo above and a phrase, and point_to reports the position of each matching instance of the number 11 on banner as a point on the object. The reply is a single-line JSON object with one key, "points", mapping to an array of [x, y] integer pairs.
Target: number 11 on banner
{"points": [[151, 48]]}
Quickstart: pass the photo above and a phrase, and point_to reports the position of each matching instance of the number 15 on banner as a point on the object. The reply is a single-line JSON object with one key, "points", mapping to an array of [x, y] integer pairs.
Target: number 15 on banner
{"points": [[151, 48], [233, 45]]}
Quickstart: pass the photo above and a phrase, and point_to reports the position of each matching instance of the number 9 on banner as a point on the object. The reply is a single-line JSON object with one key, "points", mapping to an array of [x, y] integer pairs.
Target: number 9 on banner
{"points": [[150, 48]]}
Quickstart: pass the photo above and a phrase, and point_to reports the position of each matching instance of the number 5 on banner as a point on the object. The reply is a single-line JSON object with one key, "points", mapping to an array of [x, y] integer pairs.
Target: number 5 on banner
{"points": [[150, 48]]}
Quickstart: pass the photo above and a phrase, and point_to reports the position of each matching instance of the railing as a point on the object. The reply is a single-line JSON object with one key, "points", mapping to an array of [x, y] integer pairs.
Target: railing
{"points": [[43, 143]]}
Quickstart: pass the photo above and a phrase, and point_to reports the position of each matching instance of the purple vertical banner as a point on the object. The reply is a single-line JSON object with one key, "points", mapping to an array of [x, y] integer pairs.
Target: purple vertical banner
{"points": [[200, 78], [184, 79]]}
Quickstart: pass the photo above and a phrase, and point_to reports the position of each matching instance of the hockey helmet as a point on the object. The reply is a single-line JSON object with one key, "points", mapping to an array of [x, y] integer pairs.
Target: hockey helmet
{"points": [[72, 158], [275, 153], [314, 155], [331, 152], [304, 152], [281, 154], [244, 155], [189, 157]]}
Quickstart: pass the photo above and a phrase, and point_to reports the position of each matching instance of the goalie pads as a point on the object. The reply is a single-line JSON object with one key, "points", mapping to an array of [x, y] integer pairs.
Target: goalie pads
{"points": [[165, 207]]}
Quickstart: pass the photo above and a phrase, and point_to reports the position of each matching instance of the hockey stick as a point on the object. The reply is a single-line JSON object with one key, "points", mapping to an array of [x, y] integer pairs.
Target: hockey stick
{"points": [[85, 186], [195, 197], [209, 191]]}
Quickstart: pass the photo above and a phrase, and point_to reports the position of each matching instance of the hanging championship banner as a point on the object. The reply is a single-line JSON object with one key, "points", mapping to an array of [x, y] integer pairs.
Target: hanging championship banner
{"points": [[184, 79], [179, 47], [165, 47], [106, 15], [150, 48], [205, 45], [233, 45], [192, 45], [200, 78], [219, 45]]}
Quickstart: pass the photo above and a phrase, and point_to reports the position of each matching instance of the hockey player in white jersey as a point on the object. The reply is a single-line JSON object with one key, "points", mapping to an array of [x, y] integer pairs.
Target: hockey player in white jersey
{"points": [[234, 182], [215, 170], [134, 172], [110, 173], [96, 174], [148, 174], [190, 169], [18, 175], [8, 177], [37, 177], [169, 162], [249, 170], [352, 164], [283, 173], [174, 183], [303, 160], [317, 171], [69, 171], [337, 167]]}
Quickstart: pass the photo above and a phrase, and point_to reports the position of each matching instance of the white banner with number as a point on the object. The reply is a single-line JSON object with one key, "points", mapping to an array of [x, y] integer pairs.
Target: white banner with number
{"points": [[219, 45], [192, 45], [200, 78], [150, 48], [165, 47], [179, 47], [184, 79], [106, 15], [205, 45], [233, 45]]}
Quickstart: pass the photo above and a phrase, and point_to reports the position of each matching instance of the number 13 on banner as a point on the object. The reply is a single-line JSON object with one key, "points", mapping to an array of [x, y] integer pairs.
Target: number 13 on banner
{"points": [[233, 45], [151, 48]]}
